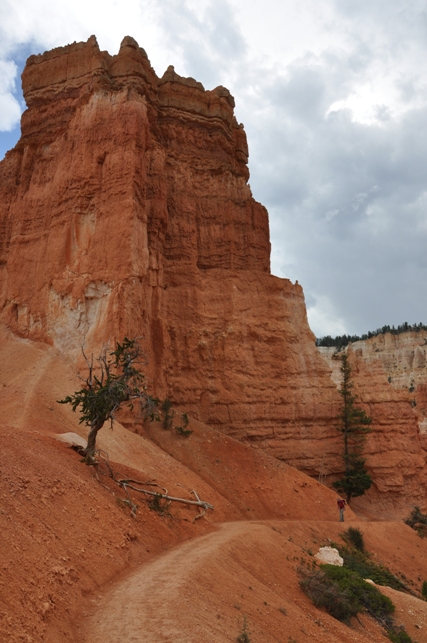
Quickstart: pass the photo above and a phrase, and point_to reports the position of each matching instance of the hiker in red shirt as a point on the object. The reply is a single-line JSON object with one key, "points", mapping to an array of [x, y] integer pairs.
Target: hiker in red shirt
{"points": [[341, 506]]}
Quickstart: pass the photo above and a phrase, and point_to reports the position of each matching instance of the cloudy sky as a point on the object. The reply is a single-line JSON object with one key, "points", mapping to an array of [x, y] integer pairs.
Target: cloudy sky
{"points": [[333, 96]]}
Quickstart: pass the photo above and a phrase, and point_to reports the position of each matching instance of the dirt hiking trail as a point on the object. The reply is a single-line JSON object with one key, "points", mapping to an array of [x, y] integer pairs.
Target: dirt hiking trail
{"points": [[77, 568], [242, 575]]}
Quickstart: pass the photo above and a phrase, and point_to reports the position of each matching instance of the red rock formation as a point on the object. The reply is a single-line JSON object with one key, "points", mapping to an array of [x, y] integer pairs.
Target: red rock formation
{"points": [[116, 173], [125, 209], [403, 359], [394, 450]]}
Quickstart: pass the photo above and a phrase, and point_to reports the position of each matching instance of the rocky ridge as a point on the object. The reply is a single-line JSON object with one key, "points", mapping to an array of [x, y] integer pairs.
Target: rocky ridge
{"points": [[402, 359]]}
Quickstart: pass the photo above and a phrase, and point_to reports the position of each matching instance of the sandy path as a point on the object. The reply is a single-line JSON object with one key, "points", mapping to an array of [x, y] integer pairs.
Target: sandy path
{"points": [[205, 589], [144, 607]]}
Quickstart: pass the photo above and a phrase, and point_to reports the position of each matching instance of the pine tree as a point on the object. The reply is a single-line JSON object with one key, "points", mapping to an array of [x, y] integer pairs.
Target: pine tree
{"points": [[113, 381], [354, 424]]}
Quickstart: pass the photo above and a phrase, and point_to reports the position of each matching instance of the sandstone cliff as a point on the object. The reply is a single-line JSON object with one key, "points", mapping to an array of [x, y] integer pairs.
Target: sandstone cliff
{"points": [[118, 175], [125, 209], [403, 360], [394, 451]]}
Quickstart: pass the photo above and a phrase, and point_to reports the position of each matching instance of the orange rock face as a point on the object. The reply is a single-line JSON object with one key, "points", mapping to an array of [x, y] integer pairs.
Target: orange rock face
{"points": [[394, 449], [403, 359], [118, 175], [125, 210]]}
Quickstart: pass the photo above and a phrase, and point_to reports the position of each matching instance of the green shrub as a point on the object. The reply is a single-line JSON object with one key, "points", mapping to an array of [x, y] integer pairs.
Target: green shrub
{"points": [[168, 413], [399, 636], [361, 563], [354, 537], [155, 504], [361, 593], [182, 430], [244, 635], [323, 592], [417, 520], [343, 594]]}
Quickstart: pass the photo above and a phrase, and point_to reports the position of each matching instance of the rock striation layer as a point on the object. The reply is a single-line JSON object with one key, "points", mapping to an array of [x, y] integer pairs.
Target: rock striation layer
{"points": [[403, 358], [125, 209], [118, 175], [394, 450]]}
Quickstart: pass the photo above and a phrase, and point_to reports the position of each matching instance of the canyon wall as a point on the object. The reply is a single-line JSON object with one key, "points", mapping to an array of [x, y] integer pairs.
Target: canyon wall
{"points": [[125, 209], [403, 358], [394, 450], [117, 176]]}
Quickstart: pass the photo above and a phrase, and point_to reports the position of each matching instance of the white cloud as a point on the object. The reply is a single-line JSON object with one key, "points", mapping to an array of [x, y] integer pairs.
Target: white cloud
{"points": [[323, 319], [43, 24], [204, 39], [10, 111]]}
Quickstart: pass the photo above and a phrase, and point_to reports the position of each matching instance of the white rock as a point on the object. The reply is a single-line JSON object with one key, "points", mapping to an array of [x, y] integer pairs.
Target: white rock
{"points": [[330, 556], [71, 438]]}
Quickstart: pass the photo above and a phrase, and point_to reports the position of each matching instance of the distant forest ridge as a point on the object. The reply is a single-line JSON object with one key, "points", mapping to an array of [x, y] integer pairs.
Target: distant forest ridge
{"points": [[340, 341]]}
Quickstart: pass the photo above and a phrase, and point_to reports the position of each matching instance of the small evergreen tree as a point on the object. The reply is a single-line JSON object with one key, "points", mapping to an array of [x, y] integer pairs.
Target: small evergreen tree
{"points": [[112, 381], [354, 425], [417, 520]]}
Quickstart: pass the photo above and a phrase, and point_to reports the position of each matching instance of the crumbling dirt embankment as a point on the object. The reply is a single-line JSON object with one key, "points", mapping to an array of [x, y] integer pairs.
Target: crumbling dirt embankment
{"points": [[244, 573], [76, 566], [68, 546]]}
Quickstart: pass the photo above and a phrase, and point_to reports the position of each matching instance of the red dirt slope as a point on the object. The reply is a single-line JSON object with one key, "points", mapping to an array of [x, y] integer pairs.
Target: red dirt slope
{"points": [[69, 547]]}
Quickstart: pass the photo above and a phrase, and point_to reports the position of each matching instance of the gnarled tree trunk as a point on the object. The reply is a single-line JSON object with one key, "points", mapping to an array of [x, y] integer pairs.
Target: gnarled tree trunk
{"points": [[89, 452]]}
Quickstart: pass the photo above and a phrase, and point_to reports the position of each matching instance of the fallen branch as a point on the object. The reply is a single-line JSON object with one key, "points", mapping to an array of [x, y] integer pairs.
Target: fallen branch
{"points": [[129, 483], [164, 496]]}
